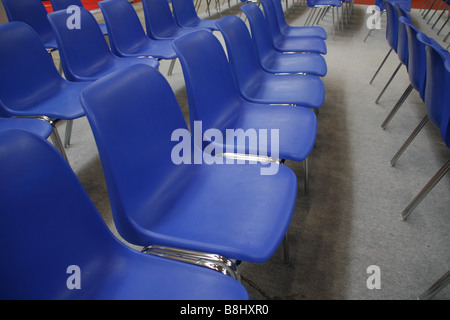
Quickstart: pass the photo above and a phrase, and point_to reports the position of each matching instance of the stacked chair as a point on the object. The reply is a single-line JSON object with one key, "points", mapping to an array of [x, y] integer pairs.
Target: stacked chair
{"points": [[195, 221]]}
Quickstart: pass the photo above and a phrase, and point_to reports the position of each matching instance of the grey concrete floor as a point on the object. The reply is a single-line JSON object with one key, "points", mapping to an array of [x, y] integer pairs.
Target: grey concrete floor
{"points": [[351, 218]]}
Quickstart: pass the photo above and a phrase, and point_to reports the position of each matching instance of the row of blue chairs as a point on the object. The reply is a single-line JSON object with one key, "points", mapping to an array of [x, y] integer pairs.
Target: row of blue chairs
{"points": [[209, 215], [428, 67]]}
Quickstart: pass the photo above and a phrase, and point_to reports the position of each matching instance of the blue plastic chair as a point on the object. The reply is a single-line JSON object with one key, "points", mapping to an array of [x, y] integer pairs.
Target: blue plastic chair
{"points": [[39, 127], [273, 60], [392, 36], [33, 13], [127, 37], [186, 16], [85, 54], [32, 86], [159, 21], [74, 254], [64, 4], [416, 67], [215, 100], [155, 201], [437, 102], [292, 44], [256, 84], [273, 11]]}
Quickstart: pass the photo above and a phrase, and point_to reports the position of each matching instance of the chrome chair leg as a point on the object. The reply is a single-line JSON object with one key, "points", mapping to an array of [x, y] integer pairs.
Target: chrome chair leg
{"points": [[388, 83], [443, 25], [306, 170], [55, 137], [397, 106], [422, 194], [442, 13], [436, 287], [425, 5], [434, 2], [381, 65], [409, 140], [172, 64], [440, 4], [286, 257], [69, 125]]}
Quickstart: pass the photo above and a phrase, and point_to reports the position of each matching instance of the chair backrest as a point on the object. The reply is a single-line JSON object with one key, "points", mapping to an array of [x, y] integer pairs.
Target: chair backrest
{"points": [[259, 29], [133, 114], [47, 223], [184, 12], [436, 87], [241, 51], [271, 18], [279, 13], [125, 30], [33, 13], [402, 42], [64, 4], [83, 51], [391, 25], [159, 20], [213, 95], [380, 4], [445, 125], [417, 62], [28, 73]]}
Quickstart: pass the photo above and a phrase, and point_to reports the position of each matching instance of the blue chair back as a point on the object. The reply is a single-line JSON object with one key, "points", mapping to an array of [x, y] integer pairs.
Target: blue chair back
{"points": [[64, 4], [136, 158], [402, 42], [40, 241], [209, 79], [184, 12], [125, 29], [391, 25], [241, 52], [159, 20], [33, 13], [437, 82], [271, 18], [380, 4], [28, 72], [416, 57], [259, 28], [445, 125], [83, 51]]}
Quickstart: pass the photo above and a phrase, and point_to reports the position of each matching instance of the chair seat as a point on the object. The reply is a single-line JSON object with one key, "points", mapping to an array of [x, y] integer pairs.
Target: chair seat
{"points": [[199, 23], [152, 278], [297, 129], [300, 44], [161, 49], [216, 212], [310, 63], [60, 105], [302, 90], [115, 63], [313, 31], [39, 127], [334, 3]]}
